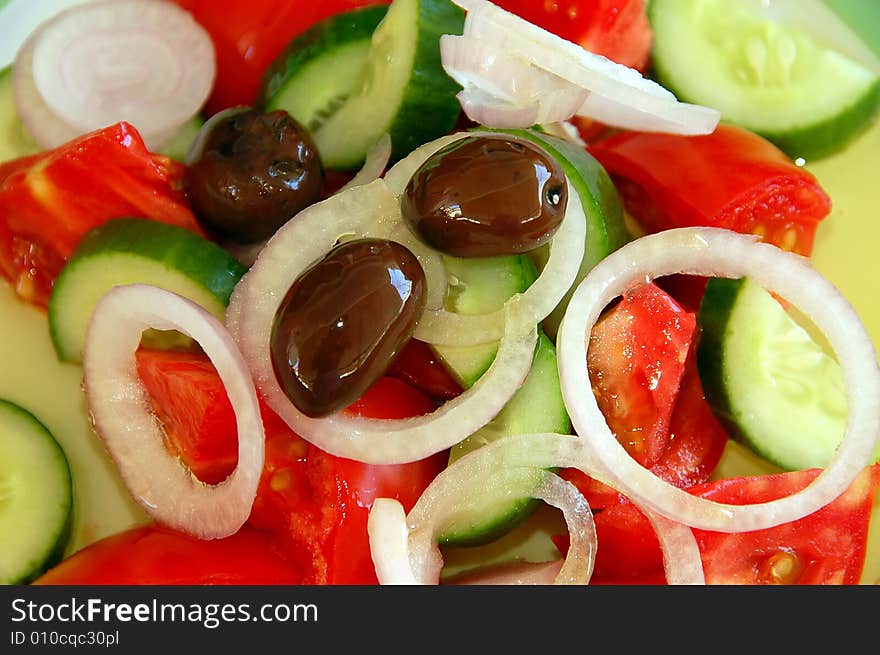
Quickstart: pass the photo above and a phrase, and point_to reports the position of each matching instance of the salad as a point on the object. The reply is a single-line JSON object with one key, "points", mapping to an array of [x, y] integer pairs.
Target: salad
{"points": [[428, 291]]}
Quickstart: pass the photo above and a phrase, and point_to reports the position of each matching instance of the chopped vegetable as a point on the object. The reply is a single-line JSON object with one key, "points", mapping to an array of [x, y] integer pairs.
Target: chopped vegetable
{"points": [[825, 547], [50, 200], [731, 178], [36, 493], [147, 63], [616, 29], [757, 64], [538, 61], [135, 250], [153, 555], [122, 417], [768, 378], [715, 252]]}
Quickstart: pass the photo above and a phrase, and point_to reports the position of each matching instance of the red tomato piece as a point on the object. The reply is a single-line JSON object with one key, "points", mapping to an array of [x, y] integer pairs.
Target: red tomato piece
{"points": [[636, 357], [315, 504], [826, 547], [191, 403], [249, 34], [694, 447], [50, 200], [731, 179], [153, 555], [616, 29], [644, 375], [419, 366], [320, 503]]}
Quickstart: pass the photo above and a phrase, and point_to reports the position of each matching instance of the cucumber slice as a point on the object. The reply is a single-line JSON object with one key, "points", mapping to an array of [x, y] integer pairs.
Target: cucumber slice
{"points": [[402, 90], [36, 496], [135, 250], [766, 77], [299, 82], [537, 407], [15, 142], [477, 286], [774, 386], [481, 285]]}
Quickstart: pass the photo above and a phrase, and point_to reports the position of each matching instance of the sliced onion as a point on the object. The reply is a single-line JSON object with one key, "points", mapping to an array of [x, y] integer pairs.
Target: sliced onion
{"points": [[39, 121], [720, 253], [122, 416], [304, 240], [98, 63], [374, 165], [618, 95], [515, 465], [416, 559], [823, 25], [20, 18], [504, 91]]}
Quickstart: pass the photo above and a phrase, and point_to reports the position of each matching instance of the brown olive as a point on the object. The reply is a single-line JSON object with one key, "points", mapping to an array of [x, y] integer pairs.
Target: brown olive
{"points": [[256, 171], [343, 321], [484, 196]]}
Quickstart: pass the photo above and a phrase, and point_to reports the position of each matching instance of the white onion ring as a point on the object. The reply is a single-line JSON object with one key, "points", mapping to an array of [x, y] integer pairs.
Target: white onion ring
{"points": [[618, 95], [713, 252], [374, 165], [404, 547], [504, 91], [304, 240], [121, 413], [94, 64], [519, 462]]}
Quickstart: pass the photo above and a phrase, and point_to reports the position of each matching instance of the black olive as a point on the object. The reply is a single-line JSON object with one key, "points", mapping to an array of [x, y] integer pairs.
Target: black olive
{"points": [[255, 173], [484, 196], [343, 322]]}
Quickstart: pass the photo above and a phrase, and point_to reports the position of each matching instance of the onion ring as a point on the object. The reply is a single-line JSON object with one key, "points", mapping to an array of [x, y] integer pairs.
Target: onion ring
{"points": [[122, 416], [713, 252], [257, 297]]}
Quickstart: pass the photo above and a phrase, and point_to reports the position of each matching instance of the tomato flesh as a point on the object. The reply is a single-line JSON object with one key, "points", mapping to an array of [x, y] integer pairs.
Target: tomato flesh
{"points": [[731, 179], [646, 383], [316, 505], [153, 555], [50, 200], [826, 547]]}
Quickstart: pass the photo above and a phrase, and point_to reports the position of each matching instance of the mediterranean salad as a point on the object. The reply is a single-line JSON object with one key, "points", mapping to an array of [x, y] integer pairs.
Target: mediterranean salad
{"points": [[436, 292]]}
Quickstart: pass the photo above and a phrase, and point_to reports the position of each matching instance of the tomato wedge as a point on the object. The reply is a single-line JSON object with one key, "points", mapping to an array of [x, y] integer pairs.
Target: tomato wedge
{"points": [[826, 547], [645, 379], [153, 555], [50, 200], [315, 505], [731, 179]]}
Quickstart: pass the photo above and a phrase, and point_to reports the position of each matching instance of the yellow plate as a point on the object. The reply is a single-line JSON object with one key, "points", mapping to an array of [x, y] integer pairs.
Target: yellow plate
{"points": [[846, 252]]}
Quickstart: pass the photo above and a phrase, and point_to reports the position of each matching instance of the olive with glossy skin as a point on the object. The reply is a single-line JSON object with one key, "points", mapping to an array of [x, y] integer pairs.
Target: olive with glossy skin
{"points": [[256, 172], [485, 196], [343, 321]]}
